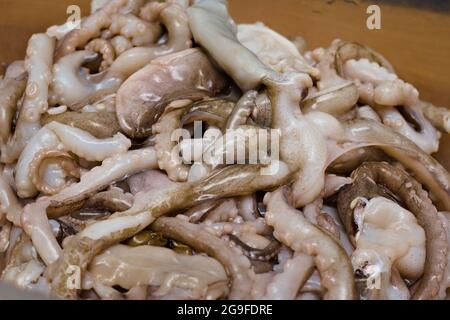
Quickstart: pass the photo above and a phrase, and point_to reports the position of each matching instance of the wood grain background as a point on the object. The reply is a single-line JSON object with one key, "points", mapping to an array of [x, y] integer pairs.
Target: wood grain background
{"points": [[416, 41]]}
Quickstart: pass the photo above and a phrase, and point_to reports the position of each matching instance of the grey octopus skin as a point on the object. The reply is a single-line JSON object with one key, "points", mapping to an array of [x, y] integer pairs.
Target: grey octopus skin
{"points": [[366, 181]]}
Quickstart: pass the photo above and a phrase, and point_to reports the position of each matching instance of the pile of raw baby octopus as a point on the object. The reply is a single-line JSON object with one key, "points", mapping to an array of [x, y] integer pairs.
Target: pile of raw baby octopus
{"points": [[93, 185]]}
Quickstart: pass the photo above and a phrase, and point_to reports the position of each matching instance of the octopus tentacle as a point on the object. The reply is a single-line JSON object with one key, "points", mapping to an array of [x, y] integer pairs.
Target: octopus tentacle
{"points": [[418, 202], [214, 112], [64, 160], [291, 228], [38, 65], [336, 100], [9, 204], [100, 124], [105, 48], [160, 267], [426, 169], [86, 146], [45, 139], [166, 149], [286, 284], [11, 90], [242, 110], [266, 254], [426, 136], [120, 45], [139, 32]]}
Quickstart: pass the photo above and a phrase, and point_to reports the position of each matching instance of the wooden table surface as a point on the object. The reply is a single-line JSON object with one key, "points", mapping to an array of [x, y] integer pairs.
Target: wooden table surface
{"points": [[416, 41]]}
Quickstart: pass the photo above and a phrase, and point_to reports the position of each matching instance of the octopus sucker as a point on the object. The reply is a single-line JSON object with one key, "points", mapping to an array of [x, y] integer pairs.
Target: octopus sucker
{"points": [[417, 201]]}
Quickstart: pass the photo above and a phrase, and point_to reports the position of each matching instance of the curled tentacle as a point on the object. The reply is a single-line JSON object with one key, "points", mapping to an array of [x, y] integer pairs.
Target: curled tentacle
{"points": [[236, 265], [389, 237], [45, 139], [76, 88], [143, 97], [105, 48], [425, 135], [38, 66], [63, 160], [418, 202]]}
